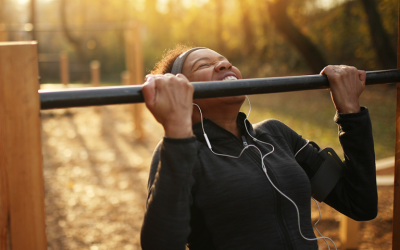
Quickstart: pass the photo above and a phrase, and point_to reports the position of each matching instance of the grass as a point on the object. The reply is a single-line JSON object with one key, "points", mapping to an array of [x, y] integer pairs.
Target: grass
{"points": [[310, 113]]}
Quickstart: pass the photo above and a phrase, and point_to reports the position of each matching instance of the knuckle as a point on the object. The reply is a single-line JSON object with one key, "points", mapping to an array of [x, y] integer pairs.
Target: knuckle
{"points": [[329, 68], [353, 68], [191, 88], [344, 71]]}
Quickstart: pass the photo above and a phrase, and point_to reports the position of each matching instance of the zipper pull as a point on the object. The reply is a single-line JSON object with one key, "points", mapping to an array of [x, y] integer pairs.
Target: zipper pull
{"points": [[244, 141]]}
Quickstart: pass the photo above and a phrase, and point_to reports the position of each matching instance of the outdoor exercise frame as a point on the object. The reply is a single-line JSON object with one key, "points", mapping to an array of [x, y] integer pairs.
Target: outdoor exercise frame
{"points": [[22, 210]]}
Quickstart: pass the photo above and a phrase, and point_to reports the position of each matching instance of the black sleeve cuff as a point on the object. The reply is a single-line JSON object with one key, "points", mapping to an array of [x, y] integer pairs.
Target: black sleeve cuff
{"points": [[339, 118]]}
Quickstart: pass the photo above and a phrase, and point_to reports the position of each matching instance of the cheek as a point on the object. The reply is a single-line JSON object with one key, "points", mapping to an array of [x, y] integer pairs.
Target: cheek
{"points": [[237, 72], [201, 75]]}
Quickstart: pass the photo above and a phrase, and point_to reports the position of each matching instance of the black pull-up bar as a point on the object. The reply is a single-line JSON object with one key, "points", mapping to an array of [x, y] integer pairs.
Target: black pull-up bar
{"points": [[132, 94]]}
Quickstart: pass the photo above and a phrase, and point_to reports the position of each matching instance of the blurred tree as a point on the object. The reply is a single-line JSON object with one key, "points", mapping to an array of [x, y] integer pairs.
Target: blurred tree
{"points": [[32, 18], [379, 37], [219, 7], [283, 23], [76, 42], [248, 28], [281, 38]]}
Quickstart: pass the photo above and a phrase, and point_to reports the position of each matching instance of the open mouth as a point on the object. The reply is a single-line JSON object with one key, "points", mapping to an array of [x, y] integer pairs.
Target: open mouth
{"points": [[229, 78]]}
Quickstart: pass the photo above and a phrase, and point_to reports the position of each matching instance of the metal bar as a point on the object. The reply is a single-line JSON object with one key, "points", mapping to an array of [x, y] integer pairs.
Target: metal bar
{"points": [[132, 94]]}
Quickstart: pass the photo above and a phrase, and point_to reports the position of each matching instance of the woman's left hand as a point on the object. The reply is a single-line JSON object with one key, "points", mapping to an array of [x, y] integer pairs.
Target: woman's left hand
{"points": [[346, 85]]}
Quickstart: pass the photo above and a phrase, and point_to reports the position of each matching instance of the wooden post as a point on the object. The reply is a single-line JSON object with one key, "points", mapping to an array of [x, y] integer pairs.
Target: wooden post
{"points": [[22, 211], [349, 233], [64, 68], [3, 32], [134, 62], [95, 72], [125, 78], [126, 81], [396, 201]]}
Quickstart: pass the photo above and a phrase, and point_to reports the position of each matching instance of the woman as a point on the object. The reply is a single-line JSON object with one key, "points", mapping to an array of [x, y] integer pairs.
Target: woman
{"points": [[201, 193]]}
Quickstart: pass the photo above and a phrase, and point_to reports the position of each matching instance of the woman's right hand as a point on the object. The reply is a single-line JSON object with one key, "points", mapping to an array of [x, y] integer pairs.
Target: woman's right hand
{"points": [[170, 98]]}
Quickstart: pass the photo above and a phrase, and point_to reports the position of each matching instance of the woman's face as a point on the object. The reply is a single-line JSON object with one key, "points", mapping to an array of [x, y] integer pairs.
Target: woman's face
{"points": [[207, 65]]}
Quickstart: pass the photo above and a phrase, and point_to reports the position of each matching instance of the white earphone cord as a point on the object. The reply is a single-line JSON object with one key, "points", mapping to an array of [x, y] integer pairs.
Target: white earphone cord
{"points": [[266, 174]]}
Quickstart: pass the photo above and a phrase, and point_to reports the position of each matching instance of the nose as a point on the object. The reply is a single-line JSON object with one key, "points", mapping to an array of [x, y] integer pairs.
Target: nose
{"points": [[222, 65]]}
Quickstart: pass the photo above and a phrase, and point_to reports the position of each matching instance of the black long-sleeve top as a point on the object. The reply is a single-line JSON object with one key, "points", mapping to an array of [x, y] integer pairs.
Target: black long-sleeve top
{"points": [[214, 202]]}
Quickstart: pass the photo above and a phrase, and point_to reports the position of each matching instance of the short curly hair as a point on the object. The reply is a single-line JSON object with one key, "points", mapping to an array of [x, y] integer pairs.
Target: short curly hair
{"points": [[167, 61]]}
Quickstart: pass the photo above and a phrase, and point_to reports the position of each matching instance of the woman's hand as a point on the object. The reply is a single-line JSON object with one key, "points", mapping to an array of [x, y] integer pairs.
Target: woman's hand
{"points": [[170, 98], [346, 85]]}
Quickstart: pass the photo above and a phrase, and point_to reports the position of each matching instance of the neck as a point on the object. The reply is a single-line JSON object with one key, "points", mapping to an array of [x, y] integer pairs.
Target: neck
{"points": [[225, 119]]}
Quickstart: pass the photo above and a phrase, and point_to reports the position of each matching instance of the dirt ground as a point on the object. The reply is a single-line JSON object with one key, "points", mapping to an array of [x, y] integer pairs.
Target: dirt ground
{"points": [[96, 174]]}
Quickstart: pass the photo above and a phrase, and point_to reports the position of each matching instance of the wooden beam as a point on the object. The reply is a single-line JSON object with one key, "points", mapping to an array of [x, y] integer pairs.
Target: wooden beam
{"points": [[22, 213], [348, 233], [64, 68], [125, 78], [139, 79], [134, 64], [396, 198], [3, 31], [95, 73]]}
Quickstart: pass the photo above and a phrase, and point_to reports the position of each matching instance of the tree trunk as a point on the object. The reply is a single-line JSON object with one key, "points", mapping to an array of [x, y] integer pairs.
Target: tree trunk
{"points": [[249, 46], [380, 39], [76, 43], [285, 26], [32, 19], [218, 16]]}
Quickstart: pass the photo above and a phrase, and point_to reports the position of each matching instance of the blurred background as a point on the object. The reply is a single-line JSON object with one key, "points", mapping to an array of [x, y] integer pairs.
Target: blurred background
{"points": [[262, 37], [96, 160]]}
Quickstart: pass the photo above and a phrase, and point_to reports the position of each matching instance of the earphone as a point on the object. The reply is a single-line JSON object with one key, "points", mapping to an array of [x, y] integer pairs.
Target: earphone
{"points": [[246, 146]]}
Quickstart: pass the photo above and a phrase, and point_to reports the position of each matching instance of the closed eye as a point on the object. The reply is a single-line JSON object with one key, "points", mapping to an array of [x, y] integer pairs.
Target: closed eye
{"points": [[203, 65]]}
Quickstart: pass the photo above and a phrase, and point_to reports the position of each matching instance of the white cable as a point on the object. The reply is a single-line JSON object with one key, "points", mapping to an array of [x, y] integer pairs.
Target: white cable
{"points": [[319, 210], [265, 171], [208, 142], [302, 148], [315, 226]]}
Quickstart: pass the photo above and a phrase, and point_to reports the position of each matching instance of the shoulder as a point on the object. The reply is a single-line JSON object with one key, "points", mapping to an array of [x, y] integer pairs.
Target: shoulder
{"points": [[272, 127], [176, 146]]}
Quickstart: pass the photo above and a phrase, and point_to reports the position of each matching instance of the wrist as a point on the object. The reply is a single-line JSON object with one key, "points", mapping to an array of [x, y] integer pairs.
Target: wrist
{"points": [[179, 130], [349, 109]]}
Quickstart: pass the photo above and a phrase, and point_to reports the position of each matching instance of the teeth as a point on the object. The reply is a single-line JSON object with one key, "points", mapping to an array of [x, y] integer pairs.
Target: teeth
{"points": [[229, 78]]}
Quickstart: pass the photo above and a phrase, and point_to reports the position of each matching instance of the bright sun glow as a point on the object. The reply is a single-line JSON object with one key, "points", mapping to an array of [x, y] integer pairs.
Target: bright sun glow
{"points": [[327, 4], [162, 5], [21, 1]]}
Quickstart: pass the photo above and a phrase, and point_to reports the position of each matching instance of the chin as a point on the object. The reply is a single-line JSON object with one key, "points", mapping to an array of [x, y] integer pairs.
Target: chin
{"points": [[233, 99]]}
